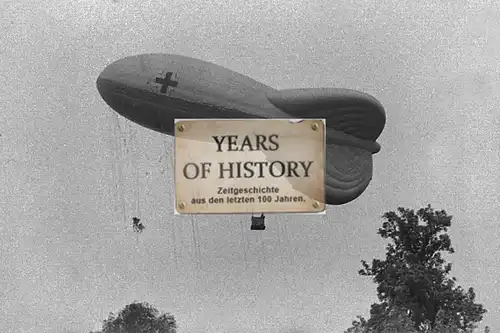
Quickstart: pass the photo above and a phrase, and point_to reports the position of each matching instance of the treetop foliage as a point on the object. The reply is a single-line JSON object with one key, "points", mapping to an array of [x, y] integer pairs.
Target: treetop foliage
{"points": [[139, 318], [413, 283]]}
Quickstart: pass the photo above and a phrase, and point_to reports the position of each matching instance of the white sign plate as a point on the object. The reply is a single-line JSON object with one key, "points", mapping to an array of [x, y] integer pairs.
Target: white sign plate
{"points": [[227, 166]]}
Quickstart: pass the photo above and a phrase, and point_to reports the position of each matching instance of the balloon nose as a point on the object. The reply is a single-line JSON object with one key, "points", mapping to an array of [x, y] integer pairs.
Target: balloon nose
{"points": [[107, 78], [101, 86], [105, 88], [125, 88], [113, 85]]}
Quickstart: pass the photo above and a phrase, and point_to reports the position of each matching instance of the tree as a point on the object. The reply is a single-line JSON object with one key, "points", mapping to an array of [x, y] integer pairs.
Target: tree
{"points": [[139, 318], [413, 283], [358, 326]]}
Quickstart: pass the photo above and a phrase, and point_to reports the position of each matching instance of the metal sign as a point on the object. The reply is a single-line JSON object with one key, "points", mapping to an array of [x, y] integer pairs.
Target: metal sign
{"points": [[226, 166]]}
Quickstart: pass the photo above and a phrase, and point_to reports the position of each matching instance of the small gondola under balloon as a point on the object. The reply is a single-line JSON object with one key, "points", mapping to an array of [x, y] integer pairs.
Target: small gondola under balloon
{"points": [[258, 222]]}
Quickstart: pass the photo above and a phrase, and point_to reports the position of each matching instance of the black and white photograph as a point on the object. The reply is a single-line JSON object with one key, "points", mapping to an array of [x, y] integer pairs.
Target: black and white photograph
{"points": [[205, 166]]}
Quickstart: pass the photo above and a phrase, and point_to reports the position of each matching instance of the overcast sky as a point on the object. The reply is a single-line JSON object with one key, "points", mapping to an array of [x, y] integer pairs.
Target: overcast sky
{"points": [[73, 173]]}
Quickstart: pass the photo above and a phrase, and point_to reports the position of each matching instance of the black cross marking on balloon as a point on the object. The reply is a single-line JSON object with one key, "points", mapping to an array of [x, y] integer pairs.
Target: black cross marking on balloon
{"points": [[166, 82]]}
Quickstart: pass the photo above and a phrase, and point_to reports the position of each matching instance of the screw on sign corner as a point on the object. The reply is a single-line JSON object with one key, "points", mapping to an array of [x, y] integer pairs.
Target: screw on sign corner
{"points": [[181, 128], [181, 205]]}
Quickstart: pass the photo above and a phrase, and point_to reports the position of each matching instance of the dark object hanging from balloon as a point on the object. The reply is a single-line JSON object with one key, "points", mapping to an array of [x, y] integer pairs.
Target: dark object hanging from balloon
{"points": [[137, 225]]}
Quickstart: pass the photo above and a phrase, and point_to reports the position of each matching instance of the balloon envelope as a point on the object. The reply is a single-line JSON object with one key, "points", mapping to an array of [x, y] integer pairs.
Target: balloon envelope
{"points": [[154, 89]]}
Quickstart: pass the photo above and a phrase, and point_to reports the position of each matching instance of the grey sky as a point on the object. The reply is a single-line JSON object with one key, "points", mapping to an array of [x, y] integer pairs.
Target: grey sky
{"points": [[67, 255]]}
